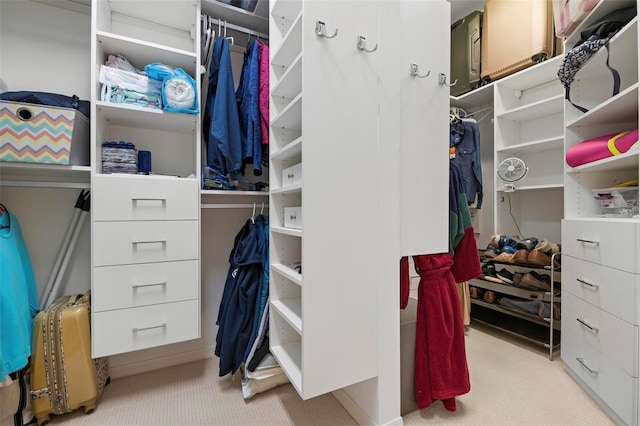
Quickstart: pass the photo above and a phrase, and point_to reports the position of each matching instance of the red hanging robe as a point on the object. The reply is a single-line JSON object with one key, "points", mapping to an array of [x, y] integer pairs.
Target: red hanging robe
{"points": [[441, 371]]}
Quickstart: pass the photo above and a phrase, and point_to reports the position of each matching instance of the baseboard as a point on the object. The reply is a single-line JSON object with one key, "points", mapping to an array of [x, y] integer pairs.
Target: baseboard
{"points": [[160, 362]]}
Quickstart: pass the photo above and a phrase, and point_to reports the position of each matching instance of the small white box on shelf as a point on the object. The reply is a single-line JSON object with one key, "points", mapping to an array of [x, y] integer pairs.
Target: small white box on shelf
{"points": [[292, 175], [293, 217]]}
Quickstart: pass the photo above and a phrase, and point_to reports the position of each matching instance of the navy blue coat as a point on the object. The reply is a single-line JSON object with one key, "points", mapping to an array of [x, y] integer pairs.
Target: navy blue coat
{"points": [[221, 122], [241, 293], [248, 98]]}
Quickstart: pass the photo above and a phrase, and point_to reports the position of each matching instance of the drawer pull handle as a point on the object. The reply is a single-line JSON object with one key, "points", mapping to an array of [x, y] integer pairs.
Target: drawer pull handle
{"points": [[164, 283], [292, 217], [290, 175], [149, 242], [136, 329], [583, 322], [593, 286], [149, 199], [584, 364], [587, 241]]}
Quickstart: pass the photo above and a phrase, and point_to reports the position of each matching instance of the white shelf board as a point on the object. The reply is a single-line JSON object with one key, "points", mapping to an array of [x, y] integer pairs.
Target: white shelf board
{"points": [[147, 118], [604, 219], [291, 116], [621, 108], [141, 53], [542, 145], [32, 171], [172, 14], [626, 160], [533, 76], [234, 193], [532, 187], [291, 150], [481, 96], [289, 273], [291, 45], [287, 231], [289, 357], [291, 311], [290, 189], [157, 177], [550, 106], [290, 84], [286, 8]]}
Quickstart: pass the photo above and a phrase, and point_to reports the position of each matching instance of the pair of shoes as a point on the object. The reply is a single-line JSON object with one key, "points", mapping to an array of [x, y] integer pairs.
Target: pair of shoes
{"points": [[505, 275], [504, 258], [475, 292], [491, 251], [527, 244], [535, 281], [506, 241], [489, 296], [521, 257], [541, 254], [489, 273]]}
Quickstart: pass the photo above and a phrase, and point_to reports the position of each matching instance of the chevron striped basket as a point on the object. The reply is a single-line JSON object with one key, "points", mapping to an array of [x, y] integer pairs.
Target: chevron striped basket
{"points": [[42, 134]]}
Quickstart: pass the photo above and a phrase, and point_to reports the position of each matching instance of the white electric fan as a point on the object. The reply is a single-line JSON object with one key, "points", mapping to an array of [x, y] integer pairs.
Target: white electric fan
{"points": [[511, 170]]}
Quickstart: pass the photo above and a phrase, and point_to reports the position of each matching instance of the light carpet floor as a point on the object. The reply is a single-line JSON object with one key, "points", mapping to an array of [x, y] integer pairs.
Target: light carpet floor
{"points": [[511, 384]]}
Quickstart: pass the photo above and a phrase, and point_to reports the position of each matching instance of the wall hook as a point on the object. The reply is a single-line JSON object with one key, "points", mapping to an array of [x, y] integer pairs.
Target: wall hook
{"points": [[321, 30], [362, 45], [442, 79], [414, 72]]}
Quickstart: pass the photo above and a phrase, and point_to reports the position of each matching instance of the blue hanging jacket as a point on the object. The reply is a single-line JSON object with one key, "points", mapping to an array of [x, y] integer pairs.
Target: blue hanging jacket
{"points": [[221, 123], [248, 98], [241, 291]]}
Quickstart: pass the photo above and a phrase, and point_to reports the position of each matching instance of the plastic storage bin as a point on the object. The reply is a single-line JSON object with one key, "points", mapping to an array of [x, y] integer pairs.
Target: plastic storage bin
{"points": [[618, 202], [567, 14]]}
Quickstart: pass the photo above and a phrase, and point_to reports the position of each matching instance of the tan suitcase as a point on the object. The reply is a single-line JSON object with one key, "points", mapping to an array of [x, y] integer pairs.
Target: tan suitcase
{"points": [[63, 375], [515, 35]]}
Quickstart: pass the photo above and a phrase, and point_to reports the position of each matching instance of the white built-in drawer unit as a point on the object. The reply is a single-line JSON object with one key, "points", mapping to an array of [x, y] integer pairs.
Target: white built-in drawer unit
{"points": [[609, 243], [612, 384], [612, 290], [125, 330], [145, 241], [128, 286], [609, 335], [144, 198]]}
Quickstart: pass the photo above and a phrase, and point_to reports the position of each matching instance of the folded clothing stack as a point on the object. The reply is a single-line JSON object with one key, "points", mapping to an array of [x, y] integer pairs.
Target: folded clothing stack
{"points": [[119, 157]]}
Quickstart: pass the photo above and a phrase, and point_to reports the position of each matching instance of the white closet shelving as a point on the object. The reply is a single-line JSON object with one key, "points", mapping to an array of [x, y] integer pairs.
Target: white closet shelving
{"points": [[145, 229], [601, 283], [528, 124], [331, 104]]}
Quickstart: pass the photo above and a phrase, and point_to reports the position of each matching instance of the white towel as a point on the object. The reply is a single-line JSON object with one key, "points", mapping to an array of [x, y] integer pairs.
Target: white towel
{"points": [[179, 93]]}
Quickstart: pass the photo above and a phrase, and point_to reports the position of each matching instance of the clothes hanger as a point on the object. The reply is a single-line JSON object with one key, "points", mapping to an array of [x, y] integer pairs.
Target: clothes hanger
{"points": [[262, 208], [3, 209], [230, 39], [253, 215]]}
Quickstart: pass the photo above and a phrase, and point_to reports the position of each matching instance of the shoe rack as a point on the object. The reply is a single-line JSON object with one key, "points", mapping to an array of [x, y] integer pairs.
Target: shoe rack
{"points": [[492, 287], [528, 124]]}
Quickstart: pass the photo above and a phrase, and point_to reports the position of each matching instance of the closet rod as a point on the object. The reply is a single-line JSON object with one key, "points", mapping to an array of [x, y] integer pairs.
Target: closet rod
{"points": [[222, 23], [231, 206], [37, 184]]}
